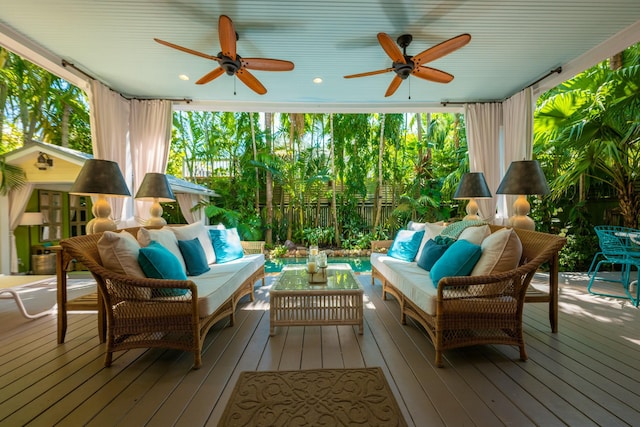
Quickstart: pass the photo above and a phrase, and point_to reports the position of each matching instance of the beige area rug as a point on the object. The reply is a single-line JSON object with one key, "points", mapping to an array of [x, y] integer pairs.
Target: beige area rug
{"points": [[327, 397]]}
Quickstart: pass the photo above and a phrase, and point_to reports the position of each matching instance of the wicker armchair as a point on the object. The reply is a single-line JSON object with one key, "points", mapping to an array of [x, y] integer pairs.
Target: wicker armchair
{"points": [[133, 320], [252, 247], [495, 317]]}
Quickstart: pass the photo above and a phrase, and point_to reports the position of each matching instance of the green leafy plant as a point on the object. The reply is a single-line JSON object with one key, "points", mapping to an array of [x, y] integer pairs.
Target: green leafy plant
{"points": [[11, 177], [279, 251]]}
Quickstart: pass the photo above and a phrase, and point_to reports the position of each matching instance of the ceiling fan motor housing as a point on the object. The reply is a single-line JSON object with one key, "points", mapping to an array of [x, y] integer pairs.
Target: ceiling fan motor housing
{"points": [[229, 65], [404, 70]]}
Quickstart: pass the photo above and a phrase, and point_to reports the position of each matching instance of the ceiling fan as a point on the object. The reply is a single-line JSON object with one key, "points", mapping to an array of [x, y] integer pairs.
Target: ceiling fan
{"points": [[232, 63], [404, 65]]}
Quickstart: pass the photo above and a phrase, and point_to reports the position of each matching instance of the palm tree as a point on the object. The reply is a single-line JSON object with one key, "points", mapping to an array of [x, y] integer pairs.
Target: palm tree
{"points": [[11, 177], [268, 120]]}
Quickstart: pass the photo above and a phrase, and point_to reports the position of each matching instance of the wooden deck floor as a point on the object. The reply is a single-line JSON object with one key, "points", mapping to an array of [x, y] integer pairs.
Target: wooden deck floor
{"points": [[587, 374]]}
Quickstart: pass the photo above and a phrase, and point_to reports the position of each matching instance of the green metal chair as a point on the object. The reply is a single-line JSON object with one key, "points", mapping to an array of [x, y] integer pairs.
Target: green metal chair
{"points": [[620, 246]]}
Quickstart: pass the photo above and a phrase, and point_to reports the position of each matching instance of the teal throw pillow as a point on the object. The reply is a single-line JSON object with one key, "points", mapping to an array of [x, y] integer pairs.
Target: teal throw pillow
{"points": [[194, 256], [406, 244], [432, 251], [158, 262], [458, 260], [226, 244]]}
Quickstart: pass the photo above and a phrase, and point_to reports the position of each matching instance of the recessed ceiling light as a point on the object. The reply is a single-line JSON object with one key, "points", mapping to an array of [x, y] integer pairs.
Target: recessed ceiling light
{"points": [[183, 77], [317, 80]]}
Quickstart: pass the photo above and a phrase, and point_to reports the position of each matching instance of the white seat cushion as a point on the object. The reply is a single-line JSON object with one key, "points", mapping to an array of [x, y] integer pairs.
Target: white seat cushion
{"points": [[414, 282], [219, 283]]}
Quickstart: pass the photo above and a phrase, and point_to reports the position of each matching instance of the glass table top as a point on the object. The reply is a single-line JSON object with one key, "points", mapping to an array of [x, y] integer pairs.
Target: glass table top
{"points": [[296, 277]]}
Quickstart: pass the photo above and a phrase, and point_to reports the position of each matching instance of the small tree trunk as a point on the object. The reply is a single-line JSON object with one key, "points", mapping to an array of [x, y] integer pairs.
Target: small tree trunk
{"points": [[334, 204], [615, 62], [376, 222], [629, 205], [268, 118], [64, 125]]}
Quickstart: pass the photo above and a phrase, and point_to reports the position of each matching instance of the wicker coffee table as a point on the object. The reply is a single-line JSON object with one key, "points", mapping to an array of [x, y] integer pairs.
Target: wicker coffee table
{"points": [[296, 302]]}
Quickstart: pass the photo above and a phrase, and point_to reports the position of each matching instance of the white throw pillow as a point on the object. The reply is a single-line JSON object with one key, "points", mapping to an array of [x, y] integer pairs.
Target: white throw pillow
{"points": [[501, 252], [475, 234], [431, 230], [166, 238], [119, 253], [416, 226], [197, 229]]}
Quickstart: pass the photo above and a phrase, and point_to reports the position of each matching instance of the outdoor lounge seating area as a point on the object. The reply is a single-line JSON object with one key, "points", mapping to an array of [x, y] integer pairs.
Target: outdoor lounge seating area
{"points": [[147, 297], [182, 114], [584, 375], [481, 306]]}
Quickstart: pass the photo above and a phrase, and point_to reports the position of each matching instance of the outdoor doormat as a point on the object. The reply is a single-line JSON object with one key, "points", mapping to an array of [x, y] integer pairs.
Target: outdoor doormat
{"points": [[331, 397]]}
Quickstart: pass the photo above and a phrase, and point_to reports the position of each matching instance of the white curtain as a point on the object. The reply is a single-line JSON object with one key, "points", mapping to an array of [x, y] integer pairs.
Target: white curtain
{"points": [[17, 202], [186, 201], [110, 136], [518, 138], [150, 136], [484, 123]]}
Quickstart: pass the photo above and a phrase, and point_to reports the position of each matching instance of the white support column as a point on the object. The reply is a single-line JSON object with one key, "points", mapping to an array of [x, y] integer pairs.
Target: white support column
{"points": [[5, 237]]}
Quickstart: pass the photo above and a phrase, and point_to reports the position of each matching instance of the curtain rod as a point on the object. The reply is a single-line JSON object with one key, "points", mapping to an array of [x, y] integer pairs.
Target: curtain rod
{"points": [[445, 103], [66, 63], [556, 70]]}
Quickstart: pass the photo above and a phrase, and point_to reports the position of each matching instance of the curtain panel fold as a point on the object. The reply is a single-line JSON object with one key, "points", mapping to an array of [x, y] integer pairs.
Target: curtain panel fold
{"points": [[150, 136], [484, 127], [18, 200], [109, 113], [518, 139]]}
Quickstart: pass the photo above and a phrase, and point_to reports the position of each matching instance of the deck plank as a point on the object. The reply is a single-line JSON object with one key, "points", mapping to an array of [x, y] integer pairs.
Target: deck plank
{"points": [[312, 345], [586, 374]]}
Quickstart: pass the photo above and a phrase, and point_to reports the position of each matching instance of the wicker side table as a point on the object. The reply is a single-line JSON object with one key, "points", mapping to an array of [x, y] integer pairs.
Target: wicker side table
{"points": [[296, 302]]}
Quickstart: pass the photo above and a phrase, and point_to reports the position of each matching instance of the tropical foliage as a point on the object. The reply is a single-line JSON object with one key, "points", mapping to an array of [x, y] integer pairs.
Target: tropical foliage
{"points": [[40, 106], [345, 179], [587, 137]]}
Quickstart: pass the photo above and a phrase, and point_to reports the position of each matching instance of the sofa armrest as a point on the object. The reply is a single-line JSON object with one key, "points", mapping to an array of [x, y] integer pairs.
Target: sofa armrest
{"points": [[509, 283], [122, 288], [380, 245]]}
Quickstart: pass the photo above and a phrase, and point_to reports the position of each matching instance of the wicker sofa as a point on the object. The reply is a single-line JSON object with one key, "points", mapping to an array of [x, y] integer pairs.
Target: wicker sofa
{"points": [[455, 317], [134, 319]]}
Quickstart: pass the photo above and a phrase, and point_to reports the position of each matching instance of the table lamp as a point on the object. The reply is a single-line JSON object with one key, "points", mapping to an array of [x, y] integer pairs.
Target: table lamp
{"points": [[155, 186], [523, 177], [100, 178], [31, 218], [472, 186]]}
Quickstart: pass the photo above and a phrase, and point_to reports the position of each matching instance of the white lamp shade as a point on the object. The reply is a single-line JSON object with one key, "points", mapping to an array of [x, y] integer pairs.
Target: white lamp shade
{"points": [[32, 218]]}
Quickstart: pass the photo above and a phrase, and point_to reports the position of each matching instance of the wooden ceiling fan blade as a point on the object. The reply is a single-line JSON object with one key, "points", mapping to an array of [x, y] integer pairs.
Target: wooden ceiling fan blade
{"points": [[187, 50], [442, 49], [432, 74], [227, 36], [210, 76], [391, 48], [368, 73], [251, 81], [266, 64], [395, 84]]}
